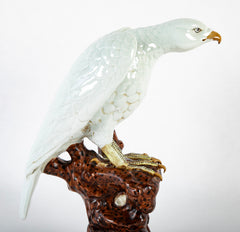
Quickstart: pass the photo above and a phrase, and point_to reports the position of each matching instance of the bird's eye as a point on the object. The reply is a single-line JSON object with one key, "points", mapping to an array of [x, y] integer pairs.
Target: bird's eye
{"points": [[197, 29]]}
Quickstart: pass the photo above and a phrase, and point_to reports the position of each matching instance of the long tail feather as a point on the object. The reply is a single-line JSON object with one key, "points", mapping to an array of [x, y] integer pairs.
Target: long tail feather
{"points": [[27, 192]]}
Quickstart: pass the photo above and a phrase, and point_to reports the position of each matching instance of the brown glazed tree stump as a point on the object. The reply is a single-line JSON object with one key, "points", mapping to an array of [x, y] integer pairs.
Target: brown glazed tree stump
{"points": [[100, 186]]}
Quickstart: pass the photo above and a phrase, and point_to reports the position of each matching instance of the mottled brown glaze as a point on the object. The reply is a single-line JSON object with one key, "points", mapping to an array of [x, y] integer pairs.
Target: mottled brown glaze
{"points": [[100, 185]]}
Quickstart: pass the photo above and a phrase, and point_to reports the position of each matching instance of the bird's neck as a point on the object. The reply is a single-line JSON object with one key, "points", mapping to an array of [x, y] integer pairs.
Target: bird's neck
{"points": [[153, 41]]}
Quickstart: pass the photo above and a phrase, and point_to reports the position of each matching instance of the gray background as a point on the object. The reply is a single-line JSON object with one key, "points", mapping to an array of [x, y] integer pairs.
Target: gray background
{"points": [[190, 118]]}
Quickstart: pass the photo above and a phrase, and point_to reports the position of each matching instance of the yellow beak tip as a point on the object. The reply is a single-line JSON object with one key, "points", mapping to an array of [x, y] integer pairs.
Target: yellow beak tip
{"points": [[214, 36]]}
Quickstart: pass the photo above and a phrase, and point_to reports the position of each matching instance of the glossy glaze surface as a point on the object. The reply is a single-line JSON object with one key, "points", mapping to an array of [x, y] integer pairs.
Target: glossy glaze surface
{"points": [[101, 186], [104, 86]]}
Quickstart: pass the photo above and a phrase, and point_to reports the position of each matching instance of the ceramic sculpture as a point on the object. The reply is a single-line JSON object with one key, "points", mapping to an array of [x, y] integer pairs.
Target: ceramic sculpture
{"points": [[105, 85], [117, 200]]}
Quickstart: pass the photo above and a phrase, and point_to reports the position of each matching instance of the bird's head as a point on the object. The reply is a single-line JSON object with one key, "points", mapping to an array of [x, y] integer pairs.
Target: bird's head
{"points": [[187, 34]]}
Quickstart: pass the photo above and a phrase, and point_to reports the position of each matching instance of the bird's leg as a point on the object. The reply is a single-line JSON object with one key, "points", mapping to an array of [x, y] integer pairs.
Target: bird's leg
{"points": [[114, 154], [116, 157]]}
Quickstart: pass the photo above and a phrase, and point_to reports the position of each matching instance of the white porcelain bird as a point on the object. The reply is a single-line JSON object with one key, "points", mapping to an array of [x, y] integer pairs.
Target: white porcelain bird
{"points": [[104, 86]]}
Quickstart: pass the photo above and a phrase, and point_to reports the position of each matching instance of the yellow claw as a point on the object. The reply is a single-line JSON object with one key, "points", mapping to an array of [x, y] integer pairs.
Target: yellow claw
{"points": [[156, 160], [99, 163], [160, 165], [163, 167], [145, 169], [158, 175]]}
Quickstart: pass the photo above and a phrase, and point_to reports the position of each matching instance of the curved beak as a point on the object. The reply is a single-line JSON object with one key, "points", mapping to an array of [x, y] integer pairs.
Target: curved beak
{"points": [[214, 36]]}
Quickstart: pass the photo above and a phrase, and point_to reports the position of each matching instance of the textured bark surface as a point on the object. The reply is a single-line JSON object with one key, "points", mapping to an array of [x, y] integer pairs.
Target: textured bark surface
{"points": [[99, 185]]}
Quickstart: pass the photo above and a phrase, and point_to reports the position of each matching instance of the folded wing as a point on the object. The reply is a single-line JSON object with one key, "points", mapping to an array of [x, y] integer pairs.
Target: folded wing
{"points": [[92, 79]]}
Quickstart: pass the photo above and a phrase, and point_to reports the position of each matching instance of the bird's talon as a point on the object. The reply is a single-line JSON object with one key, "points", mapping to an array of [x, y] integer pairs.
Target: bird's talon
{"points": [[161, 166], [158, 175], [99, 163], [156, 160], [136, 156], [145, 169]]}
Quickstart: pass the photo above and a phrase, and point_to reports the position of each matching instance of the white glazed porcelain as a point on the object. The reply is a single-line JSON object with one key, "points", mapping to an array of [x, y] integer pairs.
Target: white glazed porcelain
{"points": [[104, 86]]}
